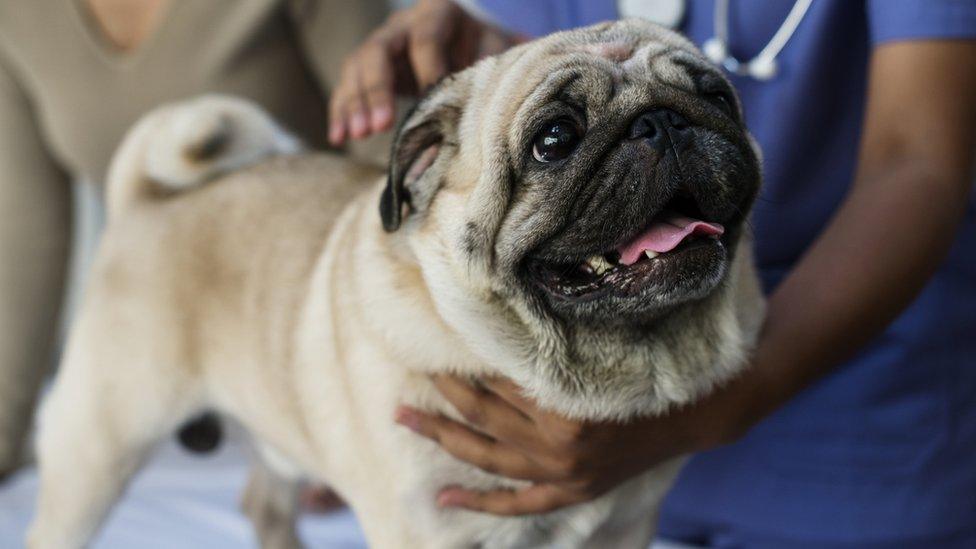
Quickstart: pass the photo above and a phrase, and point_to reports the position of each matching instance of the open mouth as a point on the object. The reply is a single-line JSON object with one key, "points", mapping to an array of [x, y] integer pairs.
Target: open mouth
{"points": [[677, 248]]}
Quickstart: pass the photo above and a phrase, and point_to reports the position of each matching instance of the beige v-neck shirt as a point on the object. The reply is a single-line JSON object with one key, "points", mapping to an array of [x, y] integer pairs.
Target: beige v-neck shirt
{"points": [[82, 93]]}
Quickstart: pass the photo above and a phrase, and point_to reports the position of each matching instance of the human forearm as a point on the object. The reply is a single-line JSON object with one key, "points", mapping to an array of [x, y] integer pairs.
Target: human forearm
{"points": [[890, 234], [868, 265]]}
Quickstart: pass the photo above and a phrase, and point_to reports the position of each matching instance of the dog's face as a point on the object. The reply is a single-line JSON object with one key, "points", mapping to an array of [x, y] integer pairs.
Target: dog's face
{"points": [[594, 183]]}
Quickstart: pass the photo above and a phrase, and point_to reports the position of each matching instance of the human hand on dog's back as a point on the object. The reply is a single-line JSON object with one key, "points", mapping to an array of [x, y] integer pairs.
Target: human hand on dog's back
{"points": [[410, 52]]}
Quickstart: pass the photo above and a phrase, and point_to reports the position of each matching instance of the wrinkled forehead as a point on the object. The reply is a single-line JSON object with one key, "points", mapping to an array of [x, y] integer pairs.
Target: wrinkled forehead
{"points": [[630, 59], [630, 50]]}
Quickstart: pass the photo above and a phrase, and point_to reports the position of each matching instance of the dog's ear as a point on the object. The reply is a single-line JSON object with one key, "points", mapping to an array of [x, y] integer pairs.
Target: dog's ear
{"points": [[426, 132]]}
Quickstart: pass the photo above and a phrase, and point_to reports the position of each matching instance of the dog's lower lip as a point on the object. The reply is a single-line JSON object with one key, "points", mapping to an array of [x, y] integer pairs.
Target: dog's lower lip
{"points": [[565, 282]]}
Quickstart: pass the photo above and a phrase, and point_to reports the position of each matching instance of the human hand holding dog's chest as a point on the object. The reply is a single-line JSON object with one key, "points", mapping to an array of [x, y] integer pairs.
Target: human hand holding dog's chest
{"points": [[568, 461]]}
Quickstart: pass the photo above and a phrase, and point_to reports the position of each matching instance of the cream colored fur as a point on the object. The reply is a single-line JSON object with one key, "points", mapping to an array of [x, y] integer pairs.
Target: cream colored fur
{"points": [[273, 295]]}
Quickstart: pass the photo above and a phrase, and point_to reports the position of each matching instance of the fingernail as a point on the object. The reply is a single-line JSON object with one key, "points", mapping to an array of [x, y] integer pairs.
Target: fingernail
{"points": [[357, 125], [450, 498], [335, 133], [408, 418], [380, 117]]}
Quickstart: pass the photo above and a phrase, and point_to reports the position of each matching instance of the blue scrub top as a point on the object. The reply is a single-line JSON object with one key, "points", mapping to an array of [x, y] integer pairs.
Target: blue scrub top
{"points": [[882, 451]]}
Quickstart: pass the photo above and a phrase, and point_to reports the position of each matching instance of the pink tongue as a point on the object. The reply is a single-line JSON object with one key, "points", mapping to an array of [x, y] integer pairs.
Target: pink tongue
{"points": [[667, 231]]}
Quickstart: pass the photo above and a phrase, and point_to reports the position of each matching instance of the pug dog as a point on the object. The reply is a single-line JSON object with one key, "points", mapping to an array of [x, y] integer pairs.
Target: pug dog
{"points": [[569, 215]]}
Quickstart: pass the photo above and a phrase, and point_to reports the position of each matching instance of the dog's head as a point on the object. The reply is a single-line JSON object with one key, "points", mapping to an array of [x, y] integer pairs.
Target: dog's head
{"points": [[586, 193]]}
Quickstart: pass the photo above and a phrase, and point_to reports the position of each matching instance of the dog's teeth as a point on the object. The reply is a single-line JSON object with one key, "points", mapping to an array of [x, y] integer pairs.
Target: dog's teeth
{"points": [[599, 264], [651, 254]]}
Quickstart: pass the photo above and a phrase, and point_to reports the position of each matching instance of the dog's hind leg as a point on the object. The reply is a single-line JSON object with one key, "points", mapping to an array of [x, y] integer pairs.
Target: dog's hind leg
{"points": [[109, 405], [271, 502]]}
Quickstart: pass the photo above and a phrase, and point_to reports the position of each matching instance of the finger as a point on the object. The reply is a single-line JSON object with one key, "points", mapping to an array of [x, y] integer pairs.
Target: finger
{"points": [[487, 412], [337, 132], [337, 121], [355, 114], [511, 393], [470, 446], [561, 436], [539, 498], [342, 99], [428, 50], [545, 420], [351, 108], [377, 88]]}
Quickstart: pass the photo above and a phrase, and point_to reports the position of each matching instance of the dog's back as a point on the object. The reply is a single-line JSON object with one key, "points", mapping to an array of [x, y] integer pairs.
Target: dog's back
{"points": [[184, 145], [213, 234], [214, 215]]}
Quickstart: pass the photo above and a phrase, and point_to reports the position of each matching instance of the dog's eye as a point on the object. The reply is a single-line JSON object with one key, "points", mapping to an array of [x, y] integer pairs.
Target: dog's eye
{"points": [[723, 102], [556, 141]]}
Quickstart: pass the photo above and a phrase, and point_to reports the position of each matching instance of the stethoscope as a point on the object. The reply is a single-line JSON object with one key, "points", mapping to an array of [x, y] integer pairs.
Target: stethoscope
{"points": [[762, 67]]}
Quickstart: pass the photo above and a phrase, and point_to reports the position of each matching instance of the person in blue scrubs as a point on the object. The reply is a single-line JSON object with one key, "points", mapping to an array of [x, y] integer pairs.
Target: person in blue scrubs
{"points": [[856, 424]]}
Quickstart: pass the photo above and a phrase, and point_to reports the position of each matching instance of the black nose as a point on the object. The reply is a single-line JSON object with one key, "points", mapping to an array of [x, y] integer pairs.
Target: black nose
{"points": [[661, 128]]}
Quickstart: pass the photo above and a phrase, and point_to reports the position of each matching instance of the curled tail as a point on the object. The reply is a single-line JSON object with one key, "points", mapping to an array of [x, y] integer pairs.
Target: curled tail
{"points": [[186, 144]]}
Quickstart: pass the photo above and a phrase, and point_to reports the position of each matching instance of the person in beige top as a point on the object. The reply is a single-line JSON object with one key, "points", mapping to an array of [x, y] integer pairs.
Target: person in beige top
{"points": [[75, 74]]}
